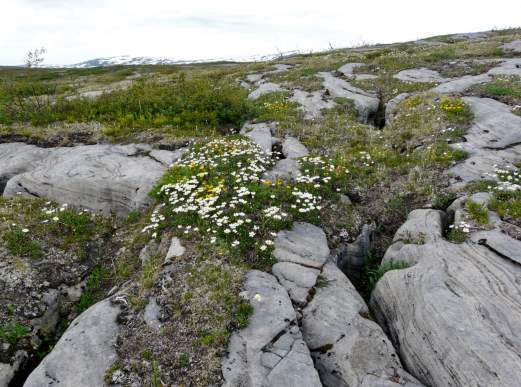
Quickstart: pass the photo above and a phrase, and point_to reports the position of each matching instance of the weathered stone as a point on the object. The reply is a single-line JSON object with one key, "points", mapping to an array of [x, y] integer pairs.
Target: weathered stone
{"points": [[349, 349], [348, 68], [176, 249], [366, 103], [167, 158], [354, 256], [348, 71], [459, 85], [420, 75], [16, 158], [285, 169], [151, 315], [254, 78], [455, 315], [305, 244], [260, 133], [293, 148], [312, 103], [512, 46], [493, 139], [102, 178], [422, 226], [391, 106], [8, 371], [264, 88], [296, 279], [270, 350], [84, 352]]}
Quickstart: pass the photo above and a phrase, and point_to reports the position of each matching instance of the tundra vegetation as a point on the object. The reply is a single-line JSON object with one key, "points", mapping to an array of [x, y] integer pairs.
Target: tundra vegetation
{"points": [[216, 199]]}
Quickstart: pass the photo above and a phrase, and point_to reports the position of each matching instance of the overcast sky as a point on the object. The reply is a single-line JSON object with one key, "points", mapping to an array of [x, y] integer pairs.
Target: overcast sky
{"points": [[78, 30]]}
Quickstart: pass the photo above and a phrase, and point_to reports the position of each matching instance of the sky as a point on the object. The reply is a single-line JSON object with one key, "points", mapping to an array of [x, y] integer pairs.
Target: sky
{"points": [[76, 30]]}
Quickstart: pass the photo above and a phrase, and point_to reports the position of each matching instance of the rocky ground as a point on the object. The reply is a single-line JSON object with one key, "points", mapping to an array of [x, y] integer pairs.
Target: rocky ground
{"points": [[361, 226]]}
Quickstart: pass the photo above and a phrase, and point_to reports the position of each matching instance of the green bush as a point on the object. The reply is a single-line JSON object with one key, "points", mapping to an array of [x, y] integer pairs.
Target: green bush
{"points": [[199, 102]]}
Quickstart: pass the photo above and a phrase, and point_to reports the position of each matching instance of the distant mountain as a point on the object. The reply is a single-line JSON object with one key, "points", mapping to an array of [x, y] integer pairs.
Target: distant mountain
{"points": [[148, 60], [131, 60]]}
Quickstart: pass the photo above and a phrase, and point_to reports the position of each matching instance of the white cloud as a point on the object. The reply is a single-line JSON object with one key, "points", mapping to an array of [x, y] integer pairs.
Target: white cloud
{"points": [[77, 30]]}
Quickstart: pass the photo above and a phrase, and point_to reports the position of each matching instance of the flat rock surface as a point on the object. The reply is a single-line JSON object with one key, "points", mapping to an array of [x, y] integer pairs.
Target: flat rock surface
{"points": [[512, 46], [84, 352], [420, 75], [459, 85], [264, 88], [260, 133], [296, 279], [305, 244], [391, 106], [285, 169], [106, 178], [16, 158], [456, 314], [366, 103], [312, 104], [493, 139], [293, 148], [348, 348], [270, 351]]}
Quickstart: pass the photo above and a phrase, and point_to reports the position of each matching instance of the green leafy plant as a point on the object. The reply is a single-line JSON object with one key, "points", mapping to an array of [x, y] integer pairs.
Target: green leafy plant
{"points": [[376, 274]]}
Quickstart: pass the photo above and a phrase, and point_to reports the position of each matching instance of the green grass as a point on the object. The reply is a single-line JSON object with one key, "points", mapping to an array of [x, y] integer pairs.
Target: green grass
{"points": [[204, 102], [457, 236], [376, 274], [13, 332], [504, 86], [477, 212], [92, 289], [21, 243]]}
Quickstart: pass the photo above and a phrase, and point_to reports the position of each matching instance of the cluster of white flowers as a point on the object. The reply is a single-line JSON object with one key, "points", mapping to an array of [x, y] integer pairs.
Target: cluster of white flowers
{"points": [[197, 195], [509, 180], [275, 212], [461, 226], [306, 201], [366, 159], [218, 181]]}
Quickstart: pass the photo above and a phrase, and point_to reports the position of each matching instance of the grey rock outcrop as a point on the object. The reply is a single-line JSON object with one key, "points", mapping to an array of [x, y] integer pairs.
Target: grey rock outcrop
{"points": [[305, 244], [455, 315], [285, 169], [264, 88], [348, 71], [514, 46], [261, 134], [293, 148], [16, 158], [390, 108], [459, 85], [349, 349], [106, 178], [493, 139], [366, 103], [296, 279], [270, 351], [312, 104], [288, 168], [420, 75], [353, 256], [84, 352]]}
